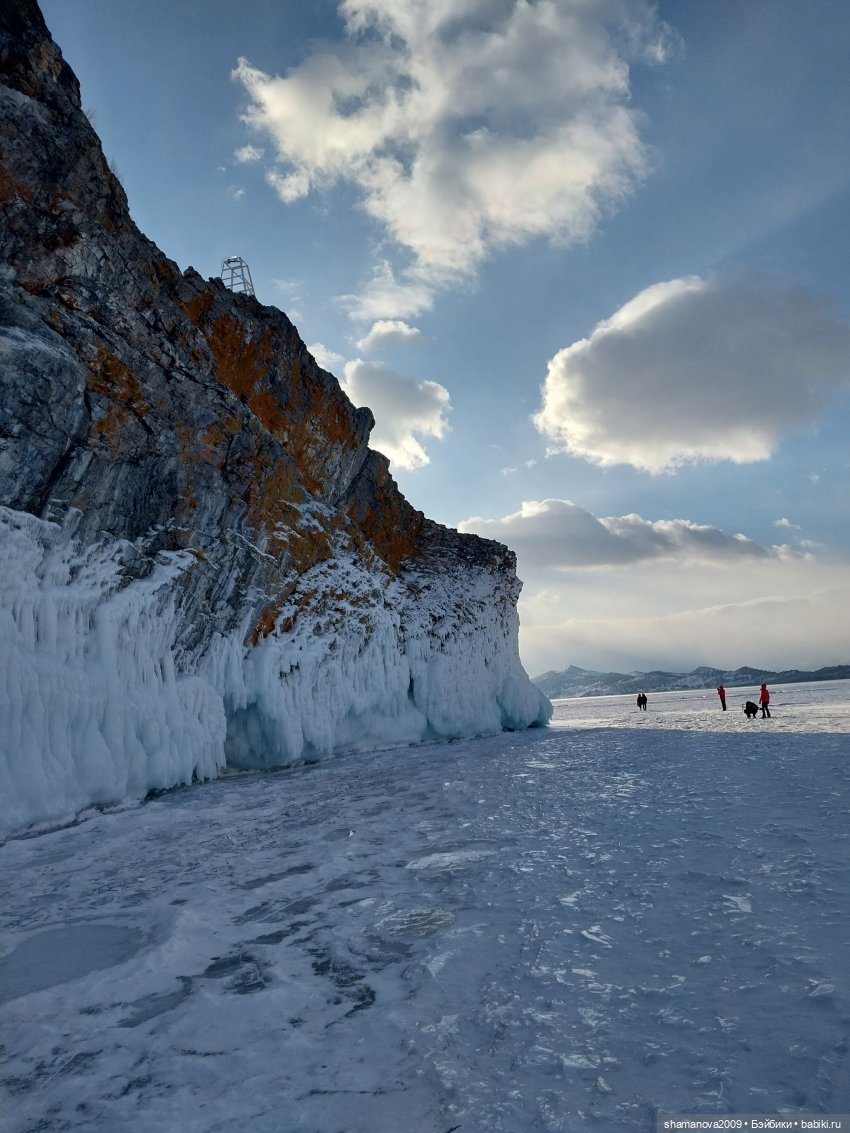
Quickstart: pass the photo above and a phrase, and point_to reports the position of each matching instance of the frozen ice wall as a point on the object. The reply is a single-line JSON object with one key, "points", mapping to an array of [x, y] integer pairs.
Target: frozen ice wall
{"points": [[378, 660], [91, 708], [94, 709]]}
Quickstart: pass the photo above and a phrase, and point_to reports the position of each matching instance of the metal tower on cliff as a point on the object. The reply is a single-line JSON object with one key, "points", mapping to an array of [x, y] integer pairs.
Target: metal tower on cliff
{"points": [[236, 275]]}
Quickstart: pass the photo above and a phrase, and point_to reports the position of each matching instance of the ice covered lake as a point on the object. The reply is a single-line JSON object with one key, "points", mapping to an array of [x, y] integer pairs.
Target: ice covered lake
{"points": [[562, 929]]}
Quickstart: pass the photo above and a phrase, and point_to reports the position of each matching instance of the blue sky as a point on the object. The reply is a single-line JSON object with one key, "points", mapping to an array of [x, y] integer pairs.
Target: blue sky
{"points": [[586, 262]]}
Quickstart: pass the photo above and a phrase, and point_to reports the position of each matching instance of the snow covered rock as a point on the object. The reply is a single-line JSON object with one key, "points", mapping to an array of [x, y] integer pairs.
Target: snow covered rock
{"points": [[201, 560]]}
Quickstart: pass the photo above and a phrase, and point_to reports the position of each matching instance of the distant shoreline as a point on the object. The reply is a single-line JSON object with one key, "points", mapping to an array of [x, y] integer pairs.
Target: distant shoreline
{"points": [[575, 683]]}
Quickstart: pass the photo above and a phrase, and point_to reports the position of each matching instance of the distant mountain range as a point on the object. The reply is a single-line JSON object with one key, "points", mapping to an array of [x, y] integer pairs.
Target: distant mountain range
{"points": [[574, 681]]}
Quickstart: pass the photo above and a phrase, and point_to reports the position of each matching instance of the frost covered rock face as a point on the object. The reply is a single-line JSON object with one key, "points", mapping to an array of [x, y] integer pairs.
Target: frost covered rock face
{"points": [[201, 560]]}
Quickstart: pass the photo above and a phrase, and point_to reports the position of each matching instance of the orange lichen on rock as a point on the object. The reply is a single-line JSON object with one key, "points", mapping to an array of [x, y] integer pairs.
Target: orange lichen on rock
{"points": [[211, 446], [241, 361], [113, 379], [272, 489], [269, 412], [264, 624], [311, 399], [309, 422], [272, 497], [387, 520], [198, 307], [393, 542], [268, 619]]}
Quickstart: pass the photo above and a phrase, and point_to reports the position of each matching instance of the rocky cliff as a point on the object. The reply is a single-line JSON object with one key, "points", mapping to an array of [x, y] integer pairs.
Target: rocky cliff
{"points": [[202, 560]]}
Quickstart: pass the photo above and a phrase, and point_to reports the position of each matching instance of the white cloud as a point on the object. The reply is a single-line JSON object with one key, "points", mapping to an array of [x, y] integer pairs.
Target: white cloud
{"points": [[235, 193], [404, 410], [629, 593], [248, 154], [327, 359], [388, 332], [694, 369], [289, 186], [466, 125], [560, 535], [384, 294], [785, 522], [781, 612]]}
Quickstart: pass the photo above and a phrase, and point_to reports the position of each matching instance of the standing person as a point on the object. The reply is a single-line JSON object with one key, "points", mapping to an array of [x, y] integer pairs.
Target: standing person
{"points": [[721, 692], [764, 700]]}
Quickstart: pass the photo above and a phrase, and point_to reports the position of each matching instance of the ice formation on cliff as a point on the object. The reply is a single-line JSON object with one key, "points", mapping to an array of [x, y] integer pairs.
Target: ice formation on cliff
{"points": [[95, 711]]}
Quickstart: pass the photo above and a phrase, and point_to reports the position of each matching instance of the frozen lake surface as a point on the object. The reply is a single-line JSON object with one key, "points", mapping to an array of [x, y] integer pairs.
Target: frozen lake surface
{"points": [[562, 929]]}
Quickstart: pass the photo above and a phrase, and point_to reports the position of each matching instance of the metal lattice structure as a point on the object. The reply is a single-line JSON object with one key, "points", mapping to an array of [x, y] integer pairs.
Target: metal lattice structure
{"points": [[236, 275]]}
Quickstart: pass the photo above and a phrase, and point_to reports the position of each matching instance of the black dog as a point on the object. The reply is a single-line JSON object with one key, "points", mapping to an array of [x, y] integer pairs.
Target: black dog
{"points": [[751, 709]]}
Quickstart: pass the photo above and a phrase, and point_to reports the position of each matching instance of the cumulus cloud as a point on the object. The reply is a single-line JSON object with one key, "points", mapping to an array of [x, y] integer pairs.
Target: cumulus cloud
{"points": [[327, 359], [466, 125], [288, 186], [695, 369], [405, 410], [388, 332], [785, 522], [385, 294], [559, 535], [248, 153]]}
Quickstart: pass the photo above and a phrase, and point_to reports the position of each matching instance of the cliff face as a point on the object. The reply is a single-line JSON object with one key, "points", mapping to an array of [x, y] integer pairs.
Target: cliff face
{"points": [[202, 559]]}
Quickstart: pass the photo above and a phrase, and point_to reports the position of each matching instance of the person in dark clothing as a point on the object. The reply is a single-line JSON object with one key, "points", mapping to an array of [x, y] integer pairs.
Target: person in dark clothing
{"points": [[764, 700], [641, 701], [721, 692]]}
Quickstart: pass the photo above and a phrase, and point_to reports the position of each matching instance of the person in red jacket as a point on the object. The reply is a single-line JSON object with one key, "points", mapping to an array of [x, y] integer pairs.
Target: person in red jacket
{"points": [[764, 700], [721, 692]]}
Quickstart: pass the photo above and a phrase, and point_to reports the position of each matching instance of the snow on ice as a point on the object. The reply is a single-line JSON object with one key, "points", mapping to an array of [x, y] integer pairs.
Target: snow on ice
{"points": [[549, 930]]}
